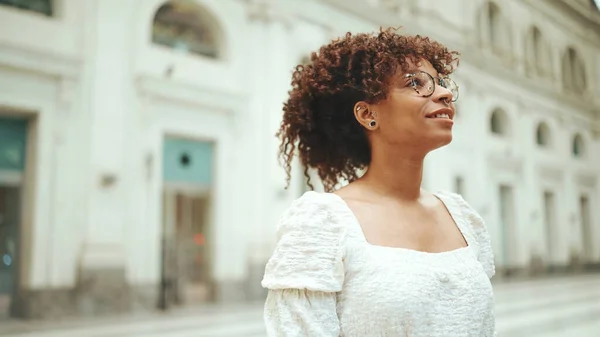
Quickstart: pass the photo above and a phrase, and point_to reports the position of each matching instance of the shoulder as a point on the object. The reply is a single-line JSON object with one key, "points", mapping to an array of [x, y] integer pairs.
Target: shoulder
{"points": [[310, 245], [312, 213], [476, 225]]}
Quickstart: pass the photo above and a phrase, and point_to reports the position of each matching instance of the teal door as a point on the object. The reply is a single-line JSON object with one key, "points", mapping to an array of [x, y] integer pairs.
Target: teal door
{"points": [[187, 161], [13, 137], [188, 176]]}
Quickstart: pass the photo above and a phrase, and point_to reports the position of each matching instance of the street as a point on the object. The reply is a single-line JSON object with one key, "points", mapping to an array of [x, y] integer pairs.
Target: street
{"points": [[556, 307]]}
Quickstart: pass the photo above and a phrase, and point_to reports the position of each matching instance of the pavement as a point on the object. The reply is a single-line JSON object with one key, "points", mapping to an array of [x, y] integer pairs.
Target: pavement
{"points": [[554, 307]]}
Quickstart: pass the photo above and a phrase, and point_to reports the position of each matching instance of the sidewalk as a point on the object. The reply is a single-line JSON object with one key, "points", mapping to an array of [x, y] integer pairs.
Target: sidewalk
{"points": [[13, 327]]}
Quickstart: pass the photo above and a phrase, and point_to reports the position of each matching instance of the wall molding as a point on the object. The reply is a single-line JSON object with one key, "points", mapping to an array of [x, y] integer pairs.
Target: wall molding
{"points": [[38, 61]]}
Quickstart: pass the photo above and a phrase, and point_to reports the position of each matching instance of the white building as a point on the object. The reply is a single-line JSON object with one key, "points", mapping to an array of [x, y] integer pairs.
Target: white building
{"points": [[131, 128]]}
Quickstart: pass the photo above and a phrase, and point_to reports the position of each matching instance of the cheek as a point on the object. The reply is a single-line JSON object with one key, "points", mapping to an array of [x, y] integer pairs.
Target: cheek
{"points": [[403, 113], [403, 126]]}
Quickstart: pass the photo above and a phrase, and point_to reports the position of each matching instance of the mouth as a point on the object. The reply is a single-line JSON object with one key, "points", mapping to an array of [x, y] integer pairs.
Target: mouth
{"points": [[444, 113]]}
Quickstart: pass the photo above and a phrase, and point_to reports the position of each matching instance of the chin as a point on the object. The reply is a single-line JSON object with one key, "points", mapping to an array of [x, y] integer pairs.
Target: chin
{"points": [[442, 140]]}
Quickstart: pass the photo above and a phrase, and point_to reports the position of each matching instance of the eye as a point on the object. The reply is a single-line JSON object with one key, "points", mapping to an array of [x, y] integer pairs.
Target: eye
{"points": [[415, 82]]}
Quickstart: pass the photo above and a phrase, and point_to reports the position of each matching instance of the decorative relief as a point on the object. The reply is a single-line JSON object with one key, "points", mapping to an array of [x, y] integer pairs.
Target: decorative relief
{"points": [[586, 180], [266, 11], [552, 174]]}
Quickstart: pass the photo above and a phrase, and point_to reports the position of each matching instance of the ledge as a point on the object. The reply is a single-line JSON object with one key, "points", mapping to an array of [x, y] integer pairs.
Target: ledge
{"points": [[39, 61]]}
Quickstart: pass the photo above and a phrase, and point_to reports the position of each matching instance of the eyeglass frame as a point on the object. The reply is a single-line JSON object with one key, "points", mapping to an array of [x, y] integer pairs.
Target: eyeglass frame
{"points": [[432, 78]]}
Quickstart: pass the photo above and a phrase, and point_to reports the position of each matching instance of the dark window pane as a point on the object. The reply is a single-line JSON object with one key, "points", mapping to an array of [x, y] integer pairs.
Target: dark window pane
{"points": [[38, 6]]}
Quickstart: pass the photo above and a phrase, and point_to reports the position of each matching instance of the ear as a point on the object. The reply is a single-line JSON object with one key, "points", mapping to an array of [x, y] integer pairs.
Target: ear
{"points": [[365, 116]]}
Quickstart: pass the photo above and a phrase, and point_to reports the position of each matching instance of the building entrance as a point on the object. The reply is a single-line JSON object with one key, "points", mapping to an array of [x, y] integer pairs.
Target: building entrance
{"points": [[186, 226], [13, 137]]}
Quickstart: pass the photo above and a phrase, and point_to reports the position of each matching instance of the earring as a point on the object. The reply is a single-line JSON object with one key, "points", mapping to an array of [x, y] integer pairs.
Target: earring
{"points": [[374, 114], [372, 123]]}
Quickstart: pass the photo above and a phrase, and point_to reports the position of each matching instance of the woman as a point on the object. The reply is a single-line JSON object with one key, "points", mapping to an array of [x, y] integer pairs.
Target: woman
{"points": [[380, 256]]}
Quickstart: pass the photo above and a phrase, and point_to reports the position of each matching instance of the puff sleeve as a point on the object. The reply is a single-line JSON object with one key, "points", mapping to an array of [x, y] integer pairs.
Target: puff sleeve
{"points": [[306, 270]]}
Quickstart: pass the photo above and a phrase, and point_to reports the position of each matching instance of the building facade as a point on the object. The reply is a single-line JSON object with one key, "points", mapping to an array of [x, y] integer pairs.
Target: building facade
{"points": [[138, 164]]}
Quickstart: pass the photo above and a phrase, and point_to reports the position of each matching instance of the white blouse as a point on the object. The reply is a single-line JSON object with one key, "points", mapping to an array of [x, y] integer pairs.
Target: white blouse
{"points": [[326, 280]]}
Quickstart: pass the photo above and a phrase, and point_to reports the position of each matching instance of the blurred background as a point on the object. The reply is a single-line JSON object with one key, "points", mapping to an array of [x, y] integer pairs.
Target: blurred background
{"points": [[139, 183]]}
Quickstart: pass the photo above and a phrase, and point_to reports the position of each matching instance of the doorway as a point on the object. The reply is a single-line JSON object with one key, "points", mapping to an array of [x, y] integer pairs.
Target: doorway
{"points": [[586, 229], [13, 137], [507, 223], [186, 276], [550, 227], [10, 197]]}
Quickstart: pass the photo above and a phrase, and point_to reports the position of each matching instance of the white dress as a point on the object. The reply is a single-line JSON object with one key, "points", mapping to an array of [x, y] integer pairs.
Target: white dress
{"points": [[326, 280]]}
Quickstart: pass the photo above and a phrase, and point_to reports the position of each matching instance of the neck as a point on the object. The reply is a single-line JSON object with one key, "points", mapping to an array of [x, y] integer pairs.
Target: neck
{"points": [[398, 174]]}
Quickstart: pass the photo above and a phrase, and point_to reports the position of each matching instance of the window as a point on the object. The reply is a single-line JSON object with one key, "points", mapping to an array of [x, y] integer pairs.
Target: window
{"points": [[459, 186], [543, 135], [494, 28], [494, 21], [499, 122], [578, 147], [537, 53], [39, 6], [573, 69], [186, 26]]}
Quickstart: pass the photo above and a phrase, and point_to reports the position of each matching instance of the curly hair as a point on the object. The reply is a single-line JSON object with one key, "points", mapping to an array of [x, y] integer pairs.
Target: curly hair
{"points": [[318, 119]]}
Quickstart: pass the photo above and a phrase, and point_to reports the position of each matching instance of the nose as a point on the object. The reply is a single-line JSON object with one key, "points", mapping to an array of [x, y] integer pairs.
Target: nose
{"points": [[442, 94]]}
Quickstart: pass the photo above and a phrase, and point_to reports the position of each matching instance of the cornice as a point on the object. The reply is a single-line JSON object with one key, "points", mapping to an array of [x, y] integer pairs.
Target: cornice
{"points": [[42, 62], [190, 94], [506, 68], [505, 160], [586, 17], [582, 10]]}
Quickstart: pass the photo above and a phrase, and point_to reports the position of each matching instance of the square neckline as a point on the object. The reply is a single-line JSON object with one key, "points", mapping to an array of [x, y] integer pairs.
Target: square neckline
{"points": [[451, 211]]}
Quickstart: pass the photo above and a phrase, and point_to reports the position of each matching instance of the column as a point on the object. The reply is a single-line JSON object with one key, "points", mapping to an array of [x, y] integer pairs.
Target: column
{"points": [[102, 277], [271, 65]]}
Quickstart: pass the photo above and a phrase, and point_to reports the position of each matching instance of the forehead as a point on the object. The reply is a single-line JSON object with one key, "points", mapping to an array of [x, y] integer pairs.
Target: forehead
{"points": [[421, 65], [412, 67]]}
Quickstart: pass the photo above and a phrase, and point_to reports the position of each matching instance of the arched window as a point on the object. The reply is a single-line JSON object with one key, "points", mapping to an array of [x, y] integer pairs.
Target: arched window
{"points": [[537, 53], [543, 135], [494, 28], [39, 6], [495, 22], [573, 69], [499, 122], [578, 146], [188, 27]]}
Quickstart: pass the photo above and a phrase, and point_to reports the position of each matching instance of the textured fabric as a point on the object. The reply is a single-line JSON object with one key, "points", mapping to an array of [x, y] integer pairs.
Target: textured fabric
{"points": [[326, 280]]}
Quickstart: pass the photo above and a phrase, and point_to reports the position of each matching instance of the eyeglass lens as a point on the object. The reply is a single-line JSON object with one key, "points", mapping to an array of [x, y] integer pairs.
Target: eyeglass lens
{"points": [[423, 83]]}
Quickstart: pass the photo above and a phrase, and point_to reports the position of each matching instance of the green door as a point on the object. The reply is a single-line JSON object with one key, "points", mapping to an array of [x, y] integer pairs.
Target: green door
{"points": [[13, 137]]}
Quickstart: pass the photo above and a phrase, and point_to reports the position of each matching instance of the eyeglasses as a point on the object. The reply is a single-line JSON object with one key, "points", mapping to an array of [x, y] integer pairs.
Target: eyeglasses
{"points": [[424, 84]]}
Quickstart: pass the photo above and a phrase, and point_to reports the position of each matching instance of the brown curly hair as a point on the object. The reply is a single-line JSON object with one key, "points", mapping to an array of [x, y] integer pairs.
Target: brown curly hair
{"points": [[318, 119]]}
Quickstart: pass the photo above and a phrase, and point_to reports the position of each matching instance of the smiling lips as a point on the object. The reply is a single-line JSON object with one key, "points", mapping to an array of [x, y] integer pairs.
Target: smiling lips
{"points": [[440, 116], [441, 113]]}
